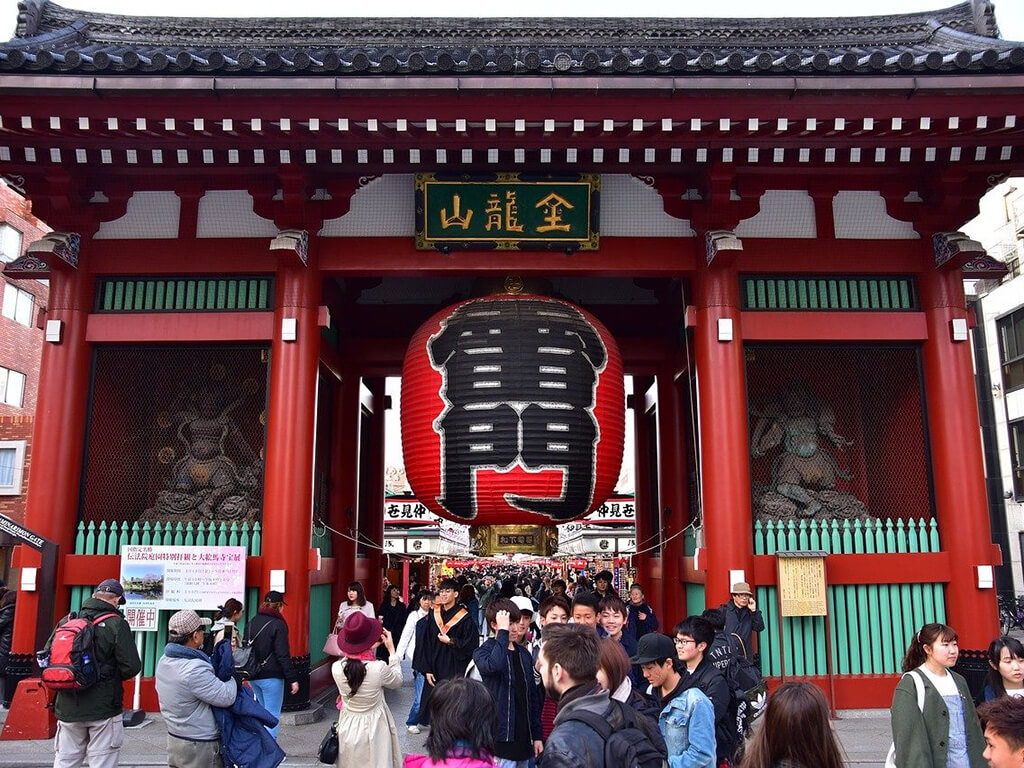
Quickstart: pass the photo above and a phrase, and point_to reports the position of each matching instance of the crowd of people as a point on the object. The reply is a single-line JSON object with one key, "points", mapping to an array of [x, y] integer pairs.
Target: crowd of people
{"points": [[514, 672]]}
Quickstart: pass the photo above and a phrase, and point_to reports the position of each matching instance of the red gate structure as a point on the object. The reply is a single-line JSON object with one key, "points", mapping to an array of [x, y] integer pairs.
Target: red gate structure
{"points": [[240, 258]]}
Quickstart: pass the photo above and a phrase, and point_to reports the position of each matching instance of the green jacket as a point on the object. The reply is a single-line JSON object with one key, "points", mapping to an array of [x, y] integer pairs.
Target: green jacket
{"points": [[921, 736], [118, 660]]}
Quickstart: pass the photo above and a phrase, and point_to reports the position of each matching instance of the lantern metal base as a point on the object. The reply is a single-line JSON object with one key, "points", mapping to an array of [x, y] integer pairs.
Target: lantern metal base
{"points": [[514, 539]]}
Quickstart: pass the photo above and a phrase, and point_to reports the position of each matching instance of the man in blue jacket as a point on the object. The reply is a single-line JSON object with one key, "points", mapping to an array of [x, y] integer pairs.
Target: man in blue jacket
{"points": [[687, 719], [506, 668]]}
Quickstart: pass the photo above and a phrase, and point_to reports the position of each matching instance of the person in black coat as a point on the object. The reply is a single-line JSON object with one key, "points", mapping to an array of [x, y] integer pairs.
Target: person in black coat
{"points": [[6, 633], [742, 616], [392, 614], [268, 634]]}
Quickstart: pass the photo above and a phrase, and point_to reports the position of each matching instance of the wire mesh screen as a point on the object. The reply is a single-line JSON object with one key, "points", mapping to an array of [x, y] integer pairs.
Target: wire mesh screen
{"points": [[837, 432], [176, 434]]}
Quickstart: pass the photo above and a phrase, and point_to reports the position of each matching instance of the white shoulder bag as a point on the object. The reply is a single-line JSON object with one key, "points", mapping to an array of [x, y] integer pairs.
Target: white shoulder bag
{"points": [[890, 759]]}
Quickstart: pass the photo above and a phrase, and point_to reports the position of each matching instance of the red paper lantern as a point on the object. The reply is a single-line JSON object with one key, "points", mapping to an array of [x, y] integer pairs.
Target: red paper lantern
{"points": [[513, 411]]}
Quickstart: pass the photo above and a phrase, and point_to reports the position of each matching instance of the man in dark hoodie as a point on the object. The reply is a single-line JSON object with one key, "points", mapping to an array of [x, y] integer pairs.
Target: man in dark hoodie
{"points": [[693, 637], [506, 668], [89, 720]]}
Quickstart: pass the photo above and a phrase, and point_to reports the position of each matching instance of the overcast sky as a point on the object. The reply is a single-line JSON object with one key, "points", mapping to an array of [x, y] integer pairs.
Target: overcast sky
{"points": [[1010, 13]]}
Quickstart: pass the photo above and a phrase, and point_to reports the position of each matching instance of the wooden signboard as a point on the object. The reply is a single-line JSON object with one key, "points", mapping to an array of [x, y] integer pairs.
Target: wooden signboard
{"points": [[802, 587]]}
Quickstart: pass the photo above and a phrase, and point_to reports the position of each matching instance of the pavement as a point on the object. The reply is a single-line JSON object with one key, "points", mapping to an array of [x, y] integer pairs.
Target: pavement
{"points": [[864, 735]]}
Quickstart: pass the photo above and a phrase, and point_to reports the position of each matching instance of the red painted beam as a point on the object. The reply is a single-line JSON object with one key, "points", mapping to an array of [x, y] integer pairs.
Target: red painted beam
{"points": [[184, 326], [834, 326], [240, 255], [805, 255]]}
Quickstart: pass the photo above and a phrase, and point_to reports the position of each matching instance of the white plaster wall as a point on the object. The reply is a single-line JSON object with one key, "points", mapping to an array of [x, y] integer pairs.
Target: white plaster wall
{"points": [[229, 213], [384, 207], [783, 213], [148, 216], [863, 216], [633, 208]]}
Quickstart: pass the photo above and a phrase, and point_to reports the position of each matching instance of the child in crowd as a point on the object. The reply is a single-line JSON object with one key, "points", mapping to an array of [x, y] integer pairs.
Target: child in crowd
{"points": [[463, 725], [586, 608], [614, 616]]}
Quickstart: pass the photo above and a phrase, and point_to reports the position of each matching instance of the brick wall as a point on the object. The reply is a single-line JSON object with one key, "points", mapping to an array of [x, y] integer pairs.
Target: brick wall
{"points": [[20, 350]]}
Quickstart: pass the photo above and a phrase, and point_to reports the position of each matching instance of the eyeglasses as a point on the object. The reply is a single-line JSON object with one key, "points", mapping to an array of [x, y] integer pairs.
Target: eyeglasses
{"points": [[683, 643]]}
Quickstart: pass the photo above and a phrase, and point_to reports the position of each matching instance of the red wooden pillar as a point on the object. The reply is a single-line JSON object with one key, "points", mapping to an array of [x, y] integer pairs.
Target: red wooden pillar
{"points": [[674, 501], [648, 565], [957, 460], [344, 481], [371, 513], [722, 420], [288, 483], [57, 440], [52, 501]]}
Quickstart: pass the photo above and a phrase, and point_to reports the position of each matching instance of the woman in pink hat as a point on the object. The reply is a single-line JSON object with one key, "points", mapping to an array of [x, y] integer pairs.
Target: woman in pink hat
{"points": [[366, 730]]}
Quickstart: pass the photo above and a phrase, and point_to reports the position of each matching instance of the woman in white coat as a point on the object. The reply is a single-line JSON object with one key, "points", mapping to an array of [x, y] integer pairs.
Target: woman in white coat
{"points": [[366, 729]]}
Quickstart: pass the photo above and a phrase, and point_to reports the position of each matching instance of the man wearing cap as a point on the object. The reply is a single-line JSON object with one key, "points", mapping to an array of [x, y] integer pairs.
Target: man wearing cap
{"points": [[687, 718], [187, 687], [89, 720], [741, 615]]}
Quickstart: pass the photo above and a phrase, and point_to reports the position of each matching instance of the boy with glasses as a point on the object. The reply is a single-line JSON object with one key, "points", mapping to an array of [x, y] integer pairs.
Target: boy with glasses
{"points": [[693, 637]]}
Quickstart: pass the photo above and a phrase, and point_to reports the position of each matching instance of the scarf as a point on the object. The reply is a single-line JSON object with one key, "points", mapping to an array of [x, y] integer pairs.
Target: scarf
{"points": [[179, 651]]}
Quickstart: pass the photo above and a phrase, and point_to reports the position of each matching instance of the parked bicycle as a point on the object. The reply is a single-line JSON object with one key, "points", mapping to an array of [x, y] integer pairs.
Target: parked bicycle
{"points": [[1011, 613]]}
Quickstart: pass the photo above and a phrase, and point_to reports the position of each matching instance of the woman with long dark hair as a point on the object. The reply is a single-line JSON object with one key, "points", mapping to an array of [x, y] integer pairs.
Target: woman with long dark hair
{"points": [[367, 737], [355, 602], [795, 731], [943, 731], [392, 611], [1006, 669], [462, 727]]}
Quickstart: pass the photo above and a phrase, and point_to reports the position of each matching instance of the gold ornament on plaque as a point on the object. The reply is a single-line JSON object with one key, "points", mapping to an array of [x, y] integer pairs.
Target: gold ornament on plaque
{"points": [[514, 539]]}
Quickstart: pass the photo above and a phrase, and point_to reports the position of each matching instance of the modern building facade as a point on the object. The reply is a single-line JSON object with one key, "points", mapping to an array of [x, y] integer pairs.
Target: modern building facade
{"points": [[254, 217]]}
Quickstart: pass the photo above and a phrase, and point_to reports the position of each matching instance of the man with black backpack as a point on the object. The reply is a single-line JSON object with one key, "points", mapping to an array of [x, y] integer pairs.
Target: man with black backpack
{"points": [[591, 730], [88, 703]]}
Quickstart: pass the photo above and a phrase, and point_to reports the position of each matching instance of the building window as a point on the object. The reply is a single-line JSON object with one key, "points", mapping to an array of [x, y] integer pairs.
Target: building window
{"points": [[1017, 457], [10, 243], [12, 466], [12, 387], [1011, 349], [18, 305]]}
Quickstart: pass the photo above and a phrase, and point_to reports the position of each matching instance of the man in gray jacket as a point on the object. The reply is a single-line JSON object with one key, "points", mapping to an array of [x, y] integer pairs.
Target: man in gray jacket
{"points": [[187, 687]]}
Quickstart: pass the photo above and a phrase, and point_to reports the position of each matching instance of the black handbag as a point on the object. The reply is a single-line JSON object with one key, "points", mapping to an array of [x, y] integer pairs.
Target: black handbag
{"points": [[328, 751]]}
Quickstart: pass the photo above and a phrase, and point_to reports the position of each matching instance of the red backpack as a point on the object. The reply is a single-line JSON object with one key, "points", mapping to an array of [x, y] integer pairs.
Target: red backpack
{"points": [[72, 664]]}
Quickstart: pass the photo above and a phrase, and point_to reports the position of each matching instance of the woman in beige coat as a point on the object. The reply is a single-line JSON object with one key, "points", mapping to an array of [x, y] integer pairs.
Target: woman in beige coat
{"points": [[367, 736]]}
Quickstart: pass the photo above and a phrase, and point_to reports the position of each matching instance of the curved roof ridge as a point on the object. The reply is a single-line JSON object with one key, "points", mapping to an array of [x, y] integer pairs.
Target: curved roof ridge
{"points": [[40, 16]]}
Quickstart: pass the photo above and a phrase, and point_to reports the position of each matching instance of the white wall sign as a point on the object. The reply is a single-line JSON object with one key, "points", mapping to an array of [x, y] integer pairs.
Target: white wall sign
{"points": [[172, 578]]}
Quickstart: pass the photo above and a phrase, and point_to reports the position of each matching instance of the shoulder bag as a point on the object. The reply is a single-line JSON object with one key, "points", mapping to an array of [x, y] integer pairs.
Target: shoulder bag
{"points": [[247, 665]]}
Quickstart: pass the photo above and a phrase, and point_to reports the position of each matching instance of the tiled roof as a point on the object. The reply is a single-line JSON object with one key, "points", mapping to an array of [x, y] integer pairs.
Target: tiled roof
{"points": [[963, 38]]}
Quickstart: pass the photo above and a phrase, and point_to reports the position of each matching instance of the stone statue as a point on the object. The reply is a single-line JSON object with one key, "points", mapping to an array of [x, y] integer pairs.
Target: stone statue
{"points": [[804, 472], [205, 483]]}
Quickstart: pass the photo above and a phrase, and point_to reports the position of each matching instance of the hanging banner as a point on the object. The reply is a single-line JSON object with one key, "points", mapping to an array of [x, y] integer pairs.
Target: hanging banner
{"points": [[172, 578]]}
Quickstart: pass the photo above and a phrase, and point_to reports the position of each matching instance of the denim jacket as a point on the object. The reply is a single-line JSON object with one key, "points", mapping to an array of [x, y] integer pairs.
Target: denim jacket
{"points": [[688, 725]]}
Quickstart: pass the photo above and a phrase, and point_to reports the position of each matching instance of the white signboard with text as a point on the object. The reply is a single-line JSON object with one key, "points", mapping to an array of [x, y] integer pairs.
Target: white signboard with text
{"points": [[172, 578]]}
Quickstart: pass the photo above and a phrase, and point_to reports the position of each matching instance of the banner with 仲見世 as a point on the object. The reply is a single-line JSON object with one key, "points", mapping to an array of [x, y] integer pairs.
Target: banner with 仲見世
{"points": [[173, 578]]}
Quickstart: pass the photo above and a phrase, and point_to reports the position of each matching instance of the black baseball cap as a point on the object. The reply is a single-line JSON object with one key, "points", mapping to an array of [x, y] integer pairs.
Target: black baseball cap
{"points": [[111, 587], [273, 596], [652, 647]]}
